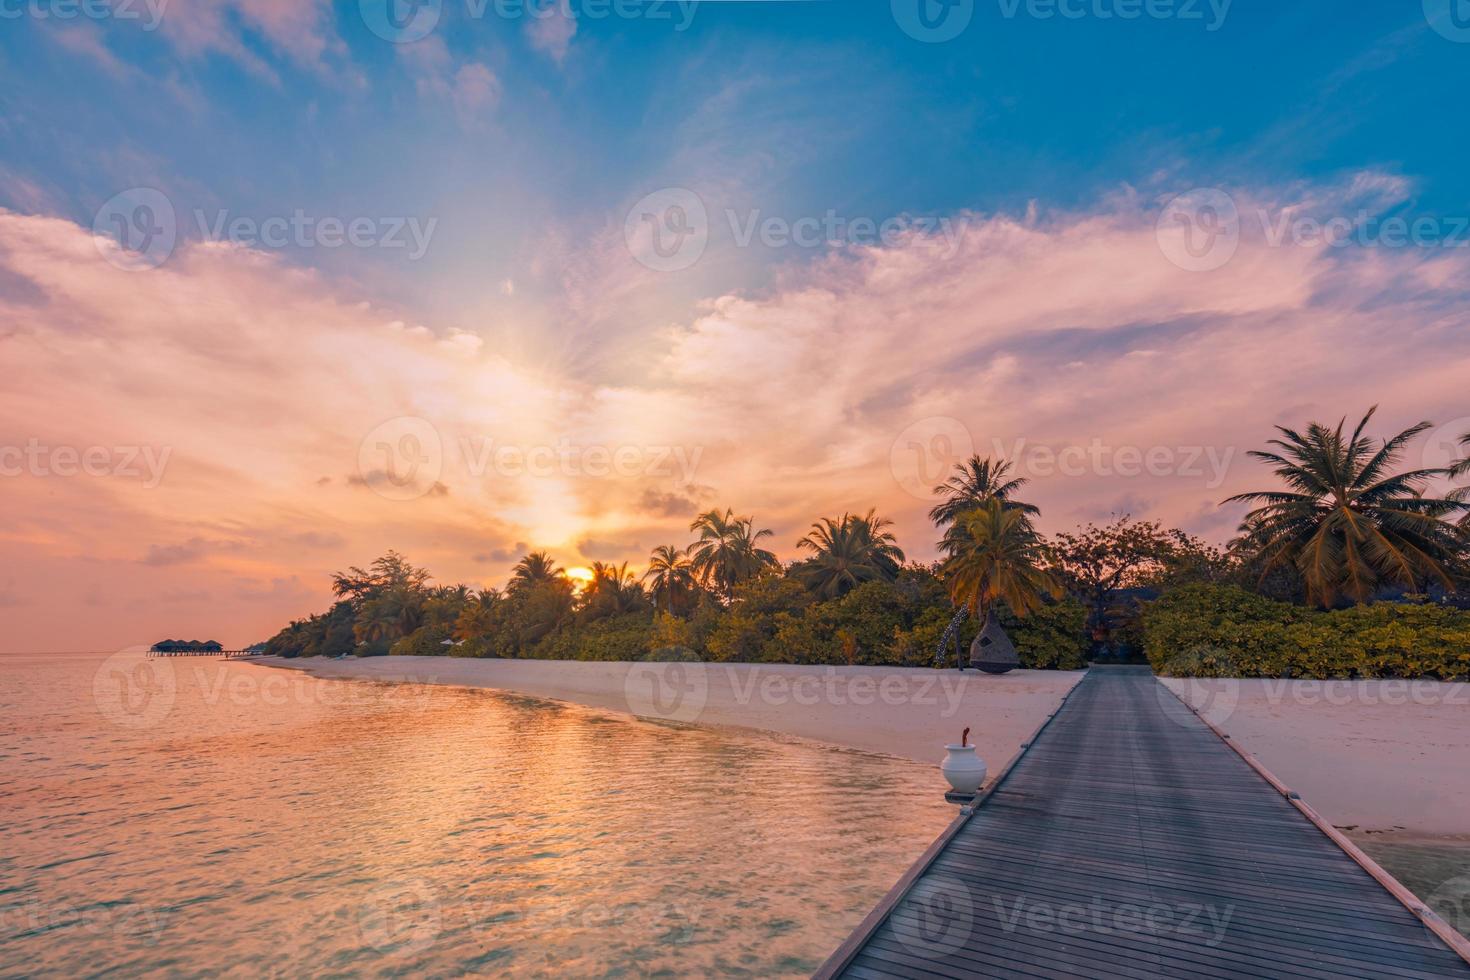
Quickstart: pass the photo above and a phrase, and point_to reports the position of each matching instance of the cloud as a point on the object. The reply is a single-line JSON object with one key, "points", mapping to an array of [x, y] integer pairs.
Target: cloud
{"points": [[502, 555], [299, 29], [599, 550], [669, 503], [1066, 340], [551, 28], [174, 554], [471, 89]]}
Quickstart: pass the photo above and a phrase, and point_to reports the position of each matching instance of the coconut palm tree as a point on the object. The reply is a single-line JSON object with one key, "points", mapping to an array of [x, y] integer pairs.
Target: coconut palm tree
{"points": [[973, 482], [848, 552], [1462, 495], [478, 617], [670, 578], [995, 555], [612, 591], [1346, 521], [536, 568], [728, 552]]}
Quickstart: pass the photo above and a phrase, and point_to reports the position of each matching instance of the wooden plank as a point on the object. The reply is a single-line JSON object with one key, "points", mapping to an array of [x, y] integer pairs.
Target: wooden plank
{"points": [[1123, 804]]}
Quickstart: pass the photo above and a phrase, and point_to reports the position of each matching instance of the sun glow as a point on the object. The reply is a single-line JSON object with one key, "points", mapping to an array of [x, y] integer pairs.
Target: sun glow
{"points": [[581, 577]]}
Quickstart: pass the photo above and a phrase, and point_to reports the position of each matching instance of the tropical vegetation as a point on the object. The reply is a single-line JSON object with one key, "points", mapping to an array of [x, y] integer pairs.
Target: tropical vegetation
{"points": [[1351, 566]]}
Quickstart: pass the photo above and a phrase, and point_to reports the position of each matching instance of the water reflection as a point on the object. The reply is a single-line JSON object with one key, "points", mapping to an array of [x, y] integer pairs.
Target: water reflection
{"points": [[370, 828]]}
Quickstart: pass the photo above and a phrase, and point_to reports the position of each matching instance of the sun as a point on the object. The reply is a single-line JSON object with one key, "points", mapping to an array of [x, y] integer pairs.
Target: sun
{"points": [[580, 577]]}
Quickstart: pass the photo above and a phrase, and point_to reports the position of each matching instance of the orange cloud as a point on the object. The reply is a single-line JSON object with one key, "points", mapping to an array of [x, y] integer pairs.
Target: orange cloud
{"points": [[302, 429]]}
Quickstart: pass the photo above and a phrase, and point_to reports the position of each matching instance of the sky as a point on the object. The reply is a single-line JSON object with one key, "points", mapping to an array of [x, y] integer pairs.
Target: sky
{"points": [[287, 283]]}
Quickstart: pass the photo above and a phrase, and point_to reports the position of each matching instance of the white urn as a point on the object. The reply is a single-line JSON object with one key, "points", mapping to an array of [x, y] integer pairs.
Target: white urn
{"points": [[964, 769]]}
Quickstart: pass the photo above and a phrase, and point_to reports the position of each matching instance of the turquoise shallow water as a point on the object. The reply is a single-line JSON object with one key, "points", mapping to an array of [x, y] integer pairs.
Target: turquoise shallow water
{"points": [[194, 816]]}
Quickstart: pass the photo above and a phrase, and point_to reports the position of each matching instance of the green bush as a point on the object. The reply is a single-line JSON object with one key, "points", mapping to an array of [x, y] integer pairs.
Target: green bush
{"points": [[630, 636], [426, 641], [1220, 631], [1053, 637]]}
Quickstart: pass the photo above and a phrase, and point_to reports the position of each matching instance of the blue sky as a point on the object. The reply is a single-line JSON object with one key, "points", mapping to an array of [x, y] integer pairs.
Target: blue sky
{"points": [[793, 108]]}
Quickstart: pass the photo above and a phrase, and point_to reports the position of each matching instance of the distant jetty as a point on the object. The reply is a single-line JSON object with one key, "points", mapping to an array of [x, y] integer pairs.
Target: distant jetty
{"points": [[201, 648]]}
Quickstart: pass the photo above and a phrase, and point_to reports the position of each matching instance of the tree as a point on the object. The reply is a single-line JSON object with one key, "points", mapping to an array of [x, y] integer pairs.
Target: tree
{"points": [[390, 572], [995, 555], [727, 552], [1459, 469], [536, 568], [847, 552], [541, 609], [1094, 563], [479, 616], [670, 578], [1346, 522], [973, 482], [613, 591]]}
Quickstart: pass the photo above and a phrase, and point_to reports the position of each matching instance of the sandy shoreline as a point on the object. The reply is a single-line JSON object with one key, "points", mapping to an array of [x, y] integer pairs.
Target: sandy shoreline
{"points": [[1383, 760], [906, 712]]}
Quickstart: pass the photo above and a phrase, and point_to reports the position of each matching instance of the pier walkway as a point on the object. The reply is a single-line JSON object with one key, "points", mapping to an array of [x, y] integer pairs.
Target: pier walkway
{"points": [[1130, 840]]}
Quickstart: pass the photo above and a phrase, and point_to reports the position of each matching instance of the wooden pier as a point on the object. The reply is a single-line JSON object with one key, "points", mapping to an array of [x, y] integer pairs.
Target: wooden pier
{"points": [[227, 654], [1130, 840]]}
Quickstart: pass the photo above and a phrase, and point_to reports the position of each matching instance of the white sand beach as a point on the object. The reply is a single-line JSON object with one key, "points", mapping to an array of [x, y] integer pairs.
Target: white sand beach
{"points": [[907, 712], [1386, 759]]}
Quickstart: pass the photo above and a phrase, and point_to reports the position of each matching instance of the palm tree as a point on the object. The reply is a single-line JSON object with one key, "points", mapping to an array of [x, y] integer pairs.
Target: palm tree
{"points": [[727, 552], [670, 577], [1462, 495], [995, 555], [1345, 522], [477, 618], [537, 568], [848, 552], [612, 591], [973, 482]]}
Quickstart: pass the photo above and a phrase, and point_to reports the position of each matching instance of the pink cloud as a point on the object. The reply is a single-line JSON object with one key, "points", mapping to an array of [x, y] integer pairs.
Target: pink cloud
{"points": [[1069, 341]]}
